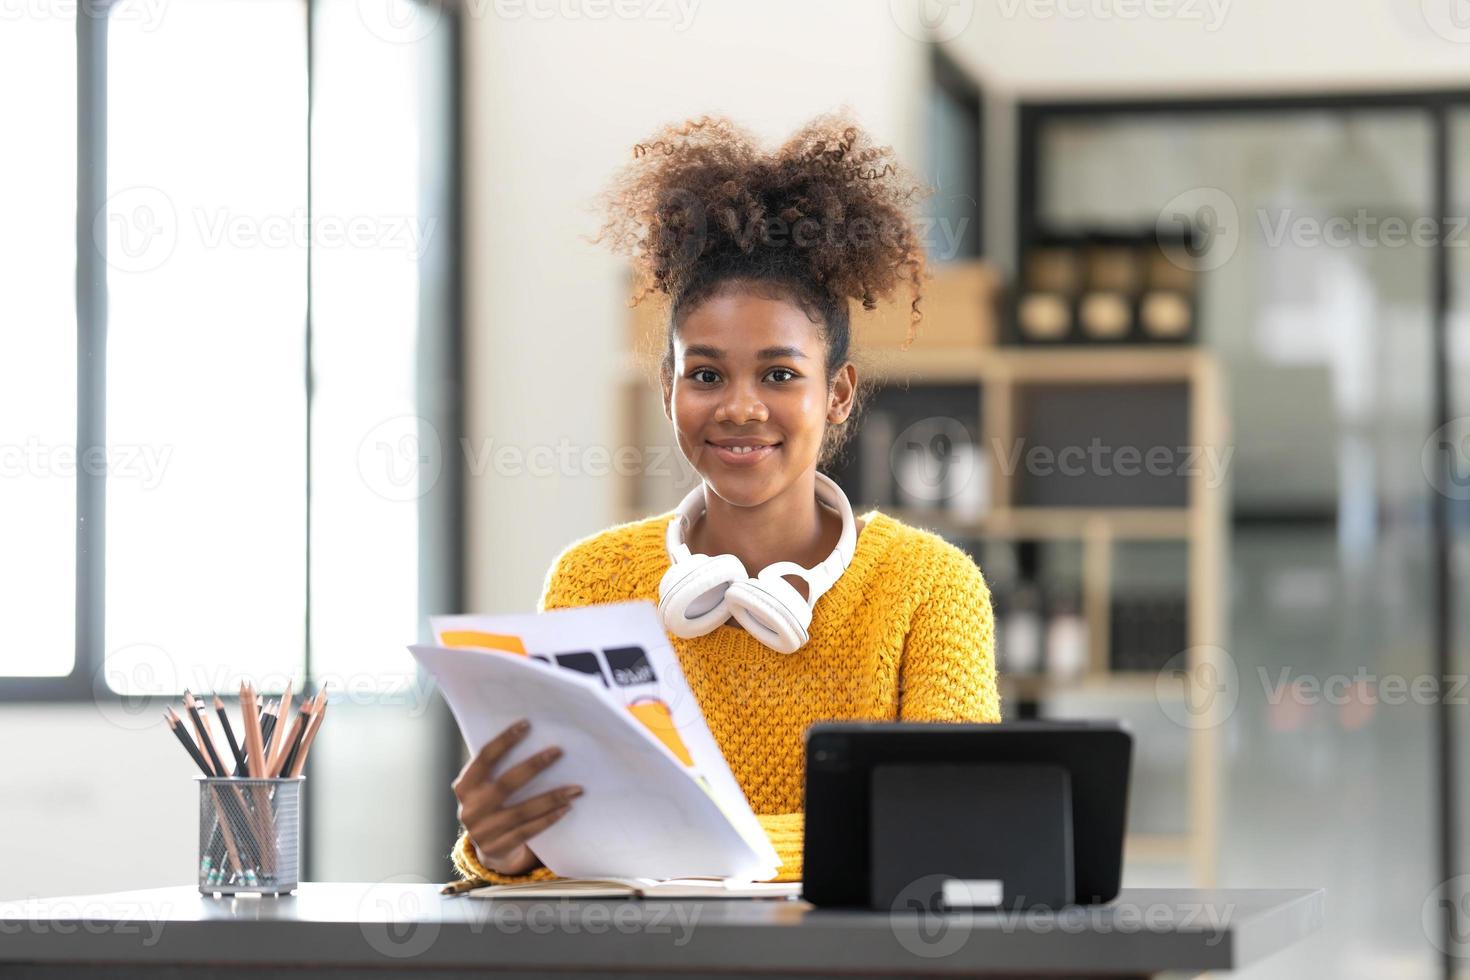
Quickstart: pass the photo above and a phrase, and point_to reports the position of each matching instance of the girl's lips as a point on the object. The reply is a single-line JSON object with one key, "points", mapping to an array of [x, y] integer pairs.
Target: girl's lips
{"points": [[749, 458]]}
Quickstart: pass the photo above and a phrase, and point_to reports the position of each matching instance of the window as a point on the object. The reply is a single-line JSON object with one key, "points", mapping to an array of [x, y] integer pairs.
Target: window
{"points": [[38, 348], [277, 346]]}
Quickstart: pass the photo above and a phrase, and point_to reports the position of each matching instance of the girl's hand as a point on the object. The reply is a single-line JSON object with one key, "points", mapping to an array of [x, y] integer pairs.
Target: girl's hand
{"points": [[498, 832]]}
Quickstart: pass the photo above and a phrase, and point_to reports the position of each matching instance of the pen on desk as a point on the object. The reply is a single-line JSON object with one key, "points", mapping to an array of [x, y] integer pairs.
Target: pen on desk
{"points": [[224, 721]]}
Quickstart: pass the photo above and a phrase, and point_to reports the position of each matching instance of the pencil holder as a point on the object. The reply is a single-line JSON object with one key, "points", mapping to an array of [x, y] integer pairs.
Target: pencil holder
{"points": [[249, 835]]}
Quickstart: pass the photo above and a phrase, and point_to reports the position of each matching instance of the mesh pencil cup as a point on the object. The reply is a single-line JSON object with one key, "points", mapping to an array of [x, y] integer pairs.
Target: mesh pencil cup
{"points": [[249, 835]]}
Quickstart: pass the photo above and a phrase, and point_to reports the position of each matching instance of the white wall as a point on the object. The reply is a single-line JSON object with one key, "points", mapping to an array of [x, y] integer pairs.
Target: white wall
{"points": [[554, 107], [1092, 47]]}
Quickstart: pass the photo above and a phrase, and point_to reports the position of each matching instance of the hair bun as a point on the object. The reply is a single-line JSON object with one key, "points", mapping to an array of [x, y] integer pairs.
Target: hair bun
{"points": [[829, 210]]}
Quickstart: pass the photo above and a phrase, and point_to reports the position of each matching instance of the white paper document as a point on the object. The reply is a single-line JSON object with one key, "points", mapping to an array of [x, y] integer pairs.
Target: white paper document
{"points": [[603, 683]]}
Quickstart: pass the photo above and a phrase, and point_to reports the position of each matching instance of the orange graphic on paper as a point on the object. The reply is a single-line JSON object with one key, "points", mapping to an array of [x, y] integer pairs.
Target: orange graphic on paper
{"points": [[483, 641], [657, 718]]}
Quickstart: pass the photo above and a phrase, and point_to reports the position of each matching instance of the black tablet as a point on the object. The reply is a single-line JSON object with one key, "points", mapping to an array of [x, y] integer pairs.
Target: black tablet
{"points": [[841, 759]]}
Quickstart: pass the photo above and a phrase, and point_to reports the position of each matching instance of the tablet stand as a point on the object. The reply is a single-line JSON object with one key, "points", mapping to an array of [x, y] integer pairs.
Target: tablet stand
{"points": [[947, 836]]}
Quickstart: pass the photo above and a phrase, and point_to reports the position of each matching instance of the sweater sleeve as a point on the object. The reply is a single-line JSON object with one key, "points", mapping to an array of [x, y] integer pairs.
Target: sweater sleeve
{"points": [[785, 830], [948, 667]]}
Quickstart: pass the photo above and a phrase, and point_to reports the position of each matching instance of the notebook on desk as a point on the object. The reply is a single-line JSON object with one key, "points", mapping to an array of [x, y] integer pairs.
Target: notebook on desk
{"points": [[640, 888]]}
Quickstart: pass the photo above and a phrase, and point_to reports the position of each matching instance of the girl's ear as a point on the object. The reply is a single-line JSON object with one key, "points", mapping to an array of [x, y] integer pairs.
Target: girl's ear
{"points": [[666, 380], [840, 398]]}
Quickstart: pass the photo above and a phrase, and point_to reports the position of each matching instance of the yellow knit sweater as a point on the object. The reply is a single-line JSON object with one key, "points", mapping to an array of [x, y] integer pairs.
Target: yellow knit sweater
{"points": [[906, 633]]}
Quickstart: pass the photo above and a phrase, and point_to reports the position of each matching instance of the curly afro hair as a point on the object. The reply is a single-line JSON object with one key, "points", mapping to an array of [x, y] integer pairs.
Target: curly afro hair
{"points": [[824, 221]]}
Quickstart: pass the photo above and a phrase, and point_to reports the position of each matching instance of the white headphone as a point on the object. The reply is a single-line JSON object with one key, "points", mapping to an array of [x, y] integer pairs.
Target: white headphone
{"points": [[699, 592]]}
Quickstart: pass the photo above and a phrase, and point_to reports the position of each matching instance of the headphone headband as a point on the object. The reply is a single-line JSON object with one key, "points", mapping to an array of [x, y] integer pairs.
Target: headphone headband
{"points": [[819, 577]]}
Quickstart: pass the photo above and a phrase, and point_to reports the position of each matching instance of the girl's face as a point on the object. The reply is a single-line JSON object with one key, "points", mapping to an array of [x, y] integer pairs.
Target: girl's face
{"points": [[748, 395]]}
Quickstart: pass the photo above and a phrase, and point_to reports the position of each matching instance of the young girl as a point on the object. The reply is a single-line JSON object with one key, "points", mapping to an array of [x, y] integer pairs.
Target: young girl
{"points": [[760, 255]]}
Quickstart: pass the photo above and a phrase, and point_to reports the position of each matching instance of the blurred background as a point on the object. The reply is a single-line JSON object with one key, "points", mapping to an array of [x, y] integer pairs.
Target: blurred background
{"points": [[302, 340]]}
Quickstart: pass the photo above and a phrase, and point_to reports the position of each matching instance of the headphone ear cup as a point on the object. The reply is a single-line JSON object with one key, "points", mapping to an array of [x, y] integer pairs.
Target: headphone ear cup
{"points": [[692, 593], [771, 610]]}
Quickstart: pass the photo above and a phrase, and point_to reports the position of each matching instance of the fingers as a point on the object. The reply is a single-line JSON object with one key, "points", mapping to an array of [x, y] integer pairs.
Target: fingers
{"points": [[478, 769], [522, 772], [519, 835], [497, 831]]}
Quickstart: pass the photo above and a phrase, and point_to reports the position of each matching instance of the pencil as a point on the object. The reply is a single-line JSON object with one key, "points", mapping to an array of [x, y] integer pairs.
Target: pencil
{"points": [[206, 734], [310, 736], [283, 717], [267, 729], [224, 721], [191, 709], [291, 740], [188, 743], [254, 747]]}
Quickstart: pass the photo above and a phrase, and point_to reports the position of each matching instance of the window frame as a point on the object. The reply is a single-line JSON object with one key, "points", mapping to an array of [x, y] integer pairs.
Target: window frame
{"points": [[441, 315]]}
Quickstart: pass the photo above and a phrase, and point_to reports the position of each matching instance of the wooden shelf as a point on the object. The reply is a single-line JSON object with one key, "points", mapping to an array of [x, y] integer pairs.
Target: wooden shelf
{"points": [[957, 348], [1038, 687], [1119, 523], [1158, 848]]}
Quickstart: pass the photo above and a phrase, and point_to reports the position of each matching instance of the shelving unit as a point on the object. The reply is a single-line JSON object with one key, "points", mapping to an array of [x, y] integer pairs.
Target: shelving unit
{"points": [[957, 347]]}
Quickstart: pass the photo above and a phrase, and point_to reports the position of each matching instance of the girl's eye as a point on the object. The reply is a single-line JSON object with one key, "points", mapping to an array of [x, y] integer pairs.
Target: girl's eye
{"points": [[706, 371], [790, 375]]}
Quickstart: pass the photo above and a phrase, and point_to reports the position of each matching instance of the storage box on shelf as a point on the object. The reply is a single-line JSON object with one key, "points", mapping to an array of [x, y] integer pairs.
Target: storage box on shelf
{"points": [[1003, 403]]}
